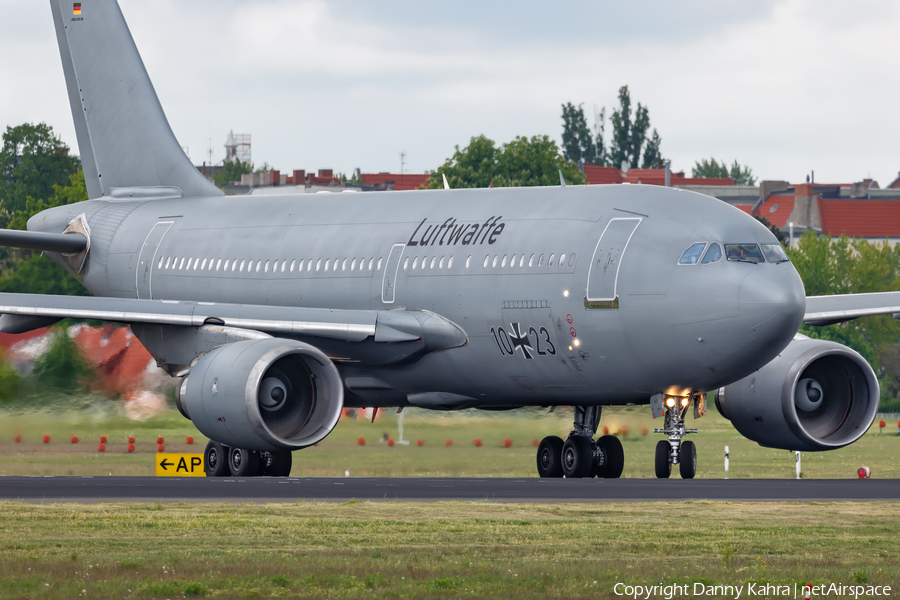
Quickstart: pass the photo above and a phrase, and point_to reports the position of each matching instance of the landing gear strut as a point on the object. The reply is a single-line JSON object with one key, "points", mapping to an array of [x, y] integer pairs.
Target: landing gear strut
{"points": [[580, 456], [674, 452]]}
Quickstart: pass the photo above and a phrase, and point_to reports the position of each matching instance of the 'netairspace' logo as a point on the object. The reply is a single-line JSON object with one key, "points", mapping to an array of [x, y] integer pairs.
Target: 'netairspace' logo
{"points": [[753, 590]]}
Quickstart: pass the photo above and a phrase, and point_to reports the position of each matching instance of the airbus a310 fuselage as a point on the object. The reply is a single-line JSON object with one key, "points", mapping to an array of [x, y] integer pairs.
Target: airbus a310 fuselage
{"points": [[278, 311]]}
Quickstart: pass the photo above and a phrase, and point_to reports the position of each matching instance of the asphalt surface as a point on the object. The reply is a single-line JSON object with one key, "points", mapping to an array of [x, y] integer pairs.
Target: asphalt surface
{"points": [[428, 489]]}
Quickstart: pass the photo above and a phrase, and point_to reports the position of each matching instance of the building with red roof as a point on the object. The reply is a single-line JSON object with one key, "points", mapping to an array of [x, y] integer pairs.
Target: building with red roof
{"points": [[608, 175], [856, 210], [396, 181]]}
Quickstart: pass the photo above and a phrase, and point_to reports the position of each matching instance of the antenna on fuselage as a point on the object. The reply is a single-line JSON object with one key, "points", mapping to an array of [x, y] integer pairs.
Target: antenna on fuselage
{"points": [[562, 180], [446, 183]]}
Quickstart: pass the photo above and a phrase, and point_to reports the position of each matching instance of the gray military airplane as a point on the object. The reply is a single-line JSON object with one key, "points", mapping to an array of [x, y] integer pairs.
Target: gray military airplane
{"points": [[278, 312]]}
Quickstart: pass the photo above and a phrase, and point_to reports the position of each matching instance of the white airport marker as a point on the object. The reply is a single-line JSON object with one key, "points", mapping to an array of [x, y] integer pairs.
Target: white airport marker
{"points": [[726, 462], [797, 458]]}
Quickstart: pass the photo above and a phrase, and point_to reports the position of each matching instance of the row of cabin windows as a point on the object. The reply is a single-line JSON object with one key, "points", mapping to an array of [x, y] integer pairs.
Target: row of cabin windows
{"points": [[352, 264], [264, 266], [551, 260]]}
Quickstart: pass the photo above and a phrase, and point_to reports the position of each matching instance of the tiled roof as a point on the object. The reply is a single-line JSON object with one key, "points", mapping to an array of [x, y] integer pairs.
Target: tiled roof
{"points": [[860, 218], [407, 181], [604, 175], [776, 210]]}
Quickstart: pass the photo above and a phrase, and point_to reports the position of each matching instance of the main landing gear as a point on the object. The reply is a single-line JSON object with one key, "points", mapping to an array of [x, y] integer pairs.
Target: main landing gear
{"points": [[674, 451], [580, 456], [222, 461]]}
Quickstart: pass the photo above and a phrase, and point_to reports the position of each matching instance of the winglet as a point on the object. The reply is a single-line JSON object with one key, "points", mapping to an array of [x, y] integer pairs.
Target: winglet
{"points": [[562, 180], [446, 183]]}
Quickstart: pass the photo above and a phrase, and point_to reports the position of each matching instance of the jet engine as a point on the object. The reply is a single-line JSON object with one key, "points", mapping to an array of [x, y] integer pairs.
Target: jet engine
{"points": [[268, 394], [815, 395]]}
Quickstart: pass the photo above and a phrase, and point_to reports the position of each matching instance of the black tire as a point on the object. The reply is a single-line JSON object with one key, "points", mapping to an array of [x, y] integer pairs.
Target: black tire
{"points": [[663, 466], [687, 460], [549, 457], [577, 457], [615, 458], [277, 465], [215, 460], [243, 463]]}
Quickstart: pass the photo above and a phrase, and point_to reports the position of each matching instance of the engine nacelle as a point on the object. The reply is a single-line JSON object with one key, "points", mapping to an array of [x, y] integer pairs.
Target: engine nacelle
{"points": [[269, 394], [815, 395]]}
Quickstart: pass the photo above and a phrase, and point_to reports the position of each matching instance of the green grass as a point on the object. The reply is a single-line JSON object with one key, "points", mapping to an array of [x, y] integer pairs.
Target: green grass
{"points": [[442, 550], [340, 452]]}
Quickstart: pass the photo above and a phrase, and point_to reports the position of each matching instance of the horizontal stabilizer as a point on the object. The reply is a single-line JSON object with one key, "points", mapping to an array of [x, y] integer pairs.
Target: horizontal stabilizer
{"points": [[65, 243], [840, 308]]}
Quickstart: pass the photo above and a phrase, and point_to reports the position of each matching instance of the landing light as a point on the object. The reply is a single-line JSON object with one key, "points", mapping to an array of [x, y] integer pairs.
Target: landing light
{"points": [[577, 343], [670, 402], [684, 401], [566, 293]]}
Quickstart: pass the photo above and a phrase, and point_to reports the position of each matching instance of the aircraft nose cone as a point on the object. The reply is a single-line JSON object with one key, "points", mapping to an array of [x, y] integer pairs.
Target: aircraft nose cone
{"points": [[773, 302]]}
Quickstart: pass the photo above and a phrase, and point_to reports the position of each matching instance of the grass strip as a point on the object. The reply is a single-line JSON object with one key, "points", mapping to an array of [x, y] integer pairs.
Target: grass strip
{"points": [[441, 550]]}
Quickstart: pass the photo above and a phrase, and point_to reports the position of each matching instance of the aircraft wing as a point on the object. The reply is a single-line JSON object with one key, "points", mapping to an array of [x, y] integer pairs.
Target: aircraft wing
{"points": [[23, 312], [828, 310]]}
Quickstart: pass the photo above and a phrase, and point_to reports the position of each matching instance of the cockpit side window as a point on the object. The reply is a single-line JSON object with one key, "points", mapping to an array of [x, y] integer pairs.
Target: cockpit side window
{"points": [[714, 254], [744, 253], [691, 256], [774, 253]]}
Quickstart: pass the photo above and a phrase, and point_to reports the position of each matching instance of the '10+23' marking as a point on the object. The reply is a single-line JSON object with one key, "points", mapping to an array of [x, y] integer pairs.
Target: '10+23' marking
{"points": [[520, 340]]}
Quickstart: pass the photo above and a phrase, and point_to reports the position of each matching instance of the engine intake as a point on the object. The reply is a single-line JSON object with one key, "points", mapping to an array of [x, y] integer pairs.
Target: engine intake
{"points": [[816, 395], [270, 394]]}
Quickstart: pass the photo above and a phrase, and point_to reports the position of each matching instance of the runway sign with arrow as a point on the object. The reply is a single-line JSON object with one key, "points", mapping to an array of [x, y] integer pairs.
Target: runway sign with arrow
{"points": [[179, 465]]}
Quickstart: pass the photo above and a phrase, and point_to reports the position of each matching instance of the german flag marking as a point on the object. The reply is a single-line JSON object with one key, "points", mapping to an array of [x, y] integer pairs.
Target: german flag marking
{"points": [[76, 8]]}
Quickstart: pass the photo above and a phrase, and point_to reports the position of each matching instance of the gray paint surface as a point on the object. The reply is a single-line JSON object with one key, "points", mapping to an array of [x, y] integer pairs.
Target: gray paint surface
{"points": [[488, 297]]}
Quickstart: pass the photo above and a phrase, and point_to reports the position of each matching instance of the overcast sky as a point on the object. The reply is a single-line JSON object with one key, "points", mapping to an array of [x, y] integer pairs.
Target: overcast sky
{"points": [[784, 86]]}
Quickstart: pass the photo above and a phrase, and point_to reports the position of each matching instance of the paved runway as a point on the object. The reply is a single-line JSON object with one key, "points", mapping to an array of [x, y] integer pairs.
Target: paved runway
{"points": [[427, 489]]}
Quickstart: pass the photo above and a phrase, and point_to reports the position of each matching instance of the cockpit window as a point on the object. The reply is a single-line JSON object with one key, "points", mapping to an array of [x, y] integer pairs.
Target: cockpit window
{"points": [[744, 253], [692, 255], [774, 253], [714, 254]]}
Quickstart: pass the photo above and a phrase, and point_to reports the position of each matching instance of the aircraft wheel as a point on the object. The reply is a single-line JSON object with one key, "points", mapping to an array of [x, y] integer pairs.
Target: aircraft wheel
{"points": [[243, 463], [215, 460], [615, 458], [549, 457], [663, 466], [577, 457], [277, 465], [687, 463]]}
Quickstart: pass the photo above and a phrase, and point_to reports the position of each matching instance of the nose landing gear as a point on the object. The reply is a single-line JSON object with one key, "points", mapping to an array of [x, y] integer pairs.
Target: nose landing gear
{"points": [[580, 456], [673, 451]]}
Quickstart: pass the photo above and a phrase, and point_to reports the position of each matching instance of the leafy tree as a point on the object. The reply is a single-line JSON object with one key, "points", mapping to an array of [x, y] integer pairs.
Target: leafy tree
{"points": [[845, 266], [741, 175], [36, 273], [709, 168], [32, 161], [601, 159], [628, 136], [521, 162], [232, 172], [652, 157], [577, 141], [63, 366]]}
